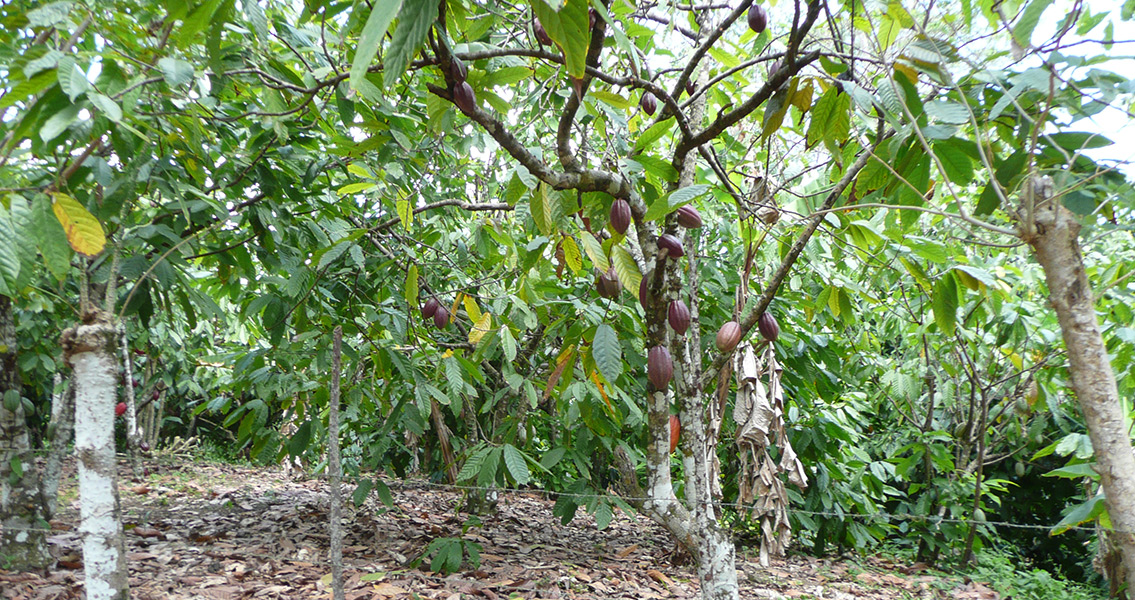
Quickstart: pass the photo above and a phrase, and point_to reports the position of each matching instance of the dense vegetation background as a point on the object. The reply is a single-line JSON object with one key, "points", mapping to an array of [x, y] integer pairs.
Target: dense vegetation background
{"points": [[234, 179]]}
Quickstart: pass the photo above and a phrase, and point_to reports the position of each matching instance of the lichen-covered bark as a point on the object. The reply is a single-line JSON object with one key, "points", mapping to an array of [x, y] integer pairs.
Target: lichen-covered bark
{"points": [[1053, 233], [90, 350], [23, 529], [61, 430]]}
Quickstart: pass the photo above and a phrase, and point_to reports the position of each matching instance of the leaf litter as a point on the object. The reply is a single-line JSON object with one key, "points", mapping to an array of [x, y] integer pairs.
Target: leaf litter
{"points": [[228, 532]]}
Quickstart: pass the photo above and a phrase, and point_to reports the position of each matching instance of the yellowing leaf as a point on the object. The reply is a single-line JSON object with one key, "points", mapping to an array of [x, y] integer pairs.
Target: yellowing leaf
{"points": [[456, 303], [472, 309], [594, 251], [602, 392], [625, 268], [354, 188], [480, 328], [405, 212], [83, 230], [572, 255]]}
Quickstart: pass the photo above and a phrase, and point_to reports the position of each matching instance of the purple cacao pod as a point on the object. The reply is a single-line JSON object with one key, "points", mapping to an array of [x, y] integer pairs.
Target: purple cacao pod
{"points": [[768, 326], [541, 34], [648, 103], [607, 284], [441, 317], [464, 97], [430, 308], [758, 19], [620, 218], [457, 70], [679, 317], [689, 217], [671, 245], [643, 291], [659, 367]]}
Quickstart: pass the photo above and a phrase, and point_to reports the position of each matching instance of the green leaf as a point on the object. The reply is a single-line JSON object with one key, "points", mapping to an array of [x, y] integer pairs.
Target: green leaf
{"points": [[25, 89], [945, 303], [568, 26], [1023, 30], [516, 465], [405, 212], [362, 491], [572, 254], [603, 515], [1080, 514], [9, 257], [607, 352], [625, 268], [508, 343], [611, 98], [411, 291], [653, 134], [59, 122], [414, 22], [50, 238], [301, 439], [594, 251], [49, 15], [1078, 471], [354, 188], [669, 203], [175, 71], [197, 21], [957, 164], [72, 79], [108, 107], [255, 15], [373, 32]]}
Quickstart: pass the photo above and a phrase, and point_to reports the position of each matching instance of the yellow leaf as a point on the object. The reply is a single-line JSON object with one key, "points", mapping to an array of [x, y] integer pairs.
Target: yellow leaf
{"points": [[480, 328], [472, 309], [456, 303], [83, 230], [572, 255], [602, 392], [447, 353]]}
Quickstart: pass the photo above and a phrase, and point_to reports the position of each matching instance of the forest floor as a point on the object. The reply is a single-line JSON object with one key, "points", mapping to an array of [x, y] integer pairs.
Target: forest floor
{"points": [[226, 532]]}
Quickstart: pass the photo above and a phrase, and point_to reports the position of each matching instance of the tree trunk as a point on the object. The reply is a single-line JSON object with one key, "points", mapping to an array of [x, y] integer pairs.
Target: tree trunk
{"points": [[90, 350], [23, 529], [62, 432], [1052, 231]]}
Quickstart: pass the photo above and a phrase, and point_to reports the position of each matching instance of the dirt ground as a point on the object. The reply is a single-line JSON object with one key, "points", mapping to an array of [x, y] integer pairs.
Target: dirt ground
{"points": [[225, 532]]}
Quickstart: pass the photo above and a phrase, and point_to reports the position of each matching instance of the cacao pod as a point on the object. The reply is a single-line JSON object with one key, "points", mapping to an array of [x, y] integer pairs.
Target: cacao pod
{"points": [[758, 19], [464, 97], [156, 395], [441, 317], [144, 446], [135, 382], [430, 308], [620, 218], [541, 34], [728, 336], [679, 317], [659, 367], [691, 87], [671, 245], [457, 70], [643, 291], [120, 409], [648, 103], [675, 431], [689, 217], [774, 67], [768, 327], [607, 284]]}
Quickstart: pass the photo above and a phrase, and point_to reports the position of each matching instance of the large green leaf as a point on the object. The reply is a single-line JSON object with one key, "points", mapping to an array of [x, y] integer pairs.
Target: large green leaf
{"points": [[568, 28], [945, 303], [414, 22], [516, 465], [607, 352], [379, 20]]}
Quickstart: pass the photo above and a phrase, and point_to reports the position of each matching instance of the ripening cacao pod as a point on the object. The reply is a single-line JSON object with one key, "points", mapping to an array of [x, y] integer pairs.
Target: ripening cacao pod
{"points": [[648, 103], [607, 284], [689, 217], [430, 307], [691, 87], [659, 367], [120, 409], [768, 327], [758, 19], [620, 218], [464, 97], [441, 317], [541, 34], [679, 317], [728, 336], [643, 291], [671, 245], [458, 70], [675, 431]]}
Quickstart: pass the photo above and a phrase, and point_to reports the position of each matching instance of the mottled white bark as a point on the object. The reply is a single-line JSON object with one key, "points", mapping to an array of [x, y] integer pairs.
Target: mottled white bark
{"points": [[61, 431], [90, 349], [1053, 233]]}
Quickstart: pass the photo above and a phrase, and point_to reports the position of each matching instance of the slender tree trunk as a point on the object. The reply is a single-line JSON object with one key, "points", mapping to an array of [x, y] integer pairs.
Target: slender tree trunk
{"points": [[133, 434], [23, 529], [335, 470], [63, 431], [90, 350], [1053, 233]]}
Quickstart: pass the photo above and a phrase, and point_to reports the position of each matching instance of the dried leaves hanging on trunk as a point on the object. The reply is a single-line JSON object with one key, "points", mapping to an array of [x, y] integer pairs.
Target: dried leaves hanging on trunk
{"points": [[759, 414]]}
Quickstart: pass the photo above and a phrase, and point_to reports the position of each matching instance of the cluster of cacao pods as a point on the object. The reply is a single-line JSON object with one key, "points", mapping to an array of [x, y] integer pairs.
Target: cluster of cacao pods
{"points": [[463, 95], [440, 314]]}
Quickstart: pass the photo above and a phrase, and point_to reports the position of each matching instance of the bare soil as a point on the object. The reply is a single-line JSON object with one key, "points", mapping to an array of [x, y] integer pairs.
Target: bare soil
{"points": [[226, 532]]}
